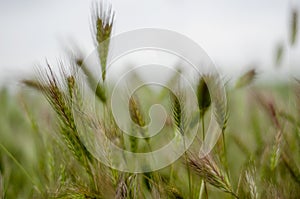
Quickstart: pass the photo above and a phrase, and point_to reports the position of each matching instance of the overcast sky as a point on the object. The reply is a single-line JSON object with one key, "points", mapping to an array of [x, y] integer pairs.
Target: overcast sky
{"points": [[235, 33]]}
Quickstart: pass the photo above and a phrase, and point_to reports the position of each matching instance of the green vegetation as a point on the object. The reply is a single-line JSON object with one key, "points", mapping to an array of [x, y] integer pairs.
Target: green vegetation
{"points": [[261, 157]]}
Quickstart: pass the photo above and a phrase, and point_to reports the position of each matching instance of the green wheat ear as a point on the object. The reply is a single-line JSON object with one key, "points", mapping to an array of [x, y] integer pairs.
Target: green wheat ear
{"points": [[279, 54], [294, 26], [207, 168], [177, 112], [103, 18], [59, 92], [246, 79], [135, 111], [203, 96], [173, 192]]}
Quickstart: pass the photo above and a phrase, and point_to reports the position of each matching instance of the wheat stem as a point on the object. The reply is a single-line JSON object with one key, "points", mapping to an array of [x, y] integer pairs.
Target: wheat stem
{"points": [[203, 184], [21, 167]]}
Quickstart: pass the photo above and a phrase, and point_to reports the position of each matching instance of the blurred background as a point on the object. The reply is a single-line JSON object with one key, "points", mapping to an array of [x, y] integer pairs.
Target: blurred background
{"points": [[237, 35], [263, 105]]}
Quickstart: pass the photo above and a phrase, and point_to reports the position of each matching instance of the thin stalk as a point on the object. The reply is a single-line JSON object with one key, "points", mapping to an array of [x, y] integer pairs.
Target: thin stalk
{"points": [[203, 189], [20, 166], [188, 169], [224, 144], [203, 129], [203, 184], [225, 153], [225, 161], [234, 195]]}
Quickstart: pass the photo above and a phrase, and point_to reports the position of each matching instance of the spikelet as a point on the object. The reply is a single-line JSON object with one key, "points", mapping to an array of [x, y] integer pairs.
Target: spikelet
{"points": [[269, 106], [122, 189], [103, 19], [71, 85], [218, 99], [203, 96], [34, 84], [279, 54], [178, 114], [52, 87], [246, 79], [208, 169], [250, 182], [294, 27], [173, 192], [276, 151], [135, 111]]}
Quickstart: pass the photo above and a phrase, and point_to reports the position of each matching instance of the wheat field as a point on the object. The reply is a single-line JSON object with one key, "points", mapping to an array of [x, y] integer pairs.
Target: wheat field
{"points": [[42, 154]]}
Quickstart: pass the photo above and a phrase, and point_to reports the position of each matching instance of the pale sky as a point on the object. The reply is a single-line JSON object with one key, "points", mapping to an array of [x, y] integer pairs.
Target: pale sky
{"points": [[236, 34]]}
